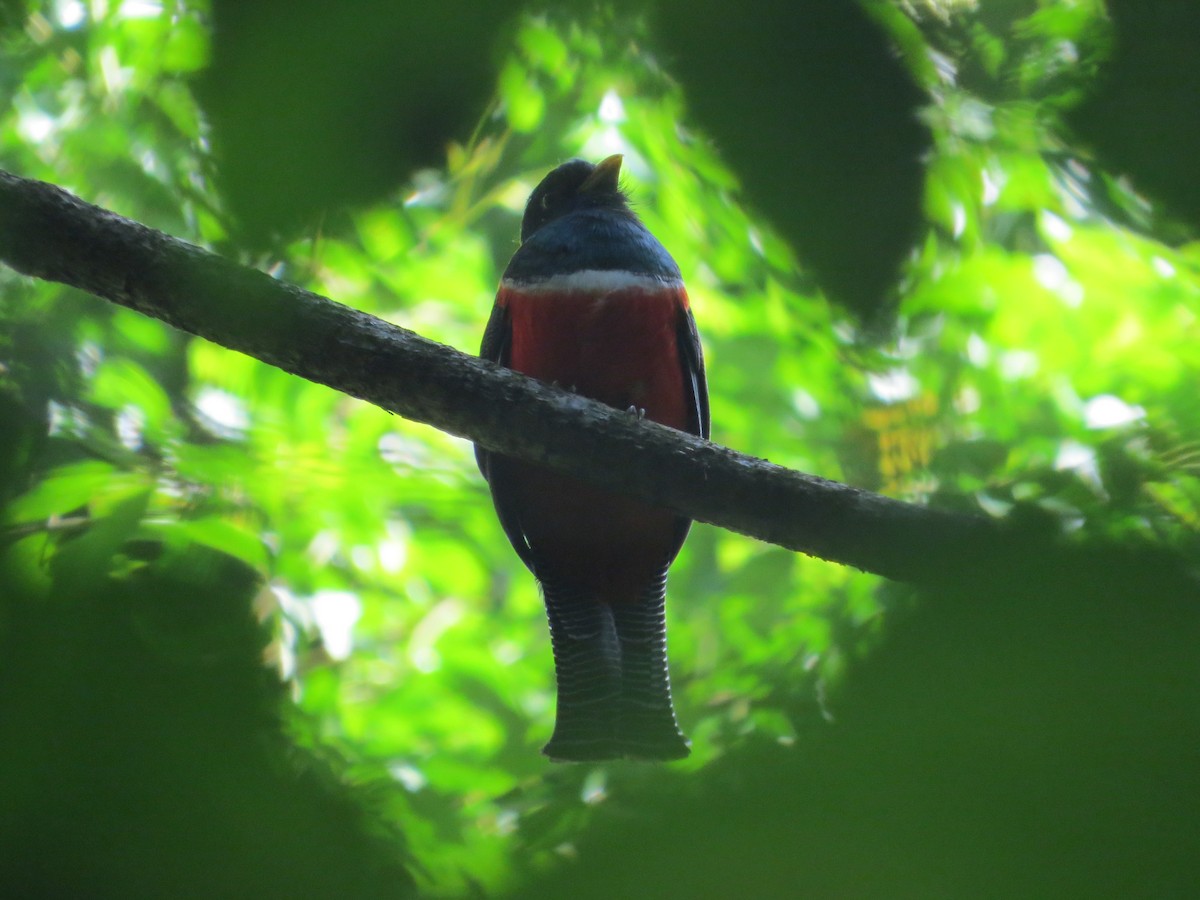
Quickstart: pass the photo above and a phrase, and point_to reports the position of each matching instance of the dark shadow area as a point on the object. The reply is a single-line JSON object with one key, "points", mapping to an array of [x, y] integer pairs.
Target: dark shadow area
{"points": [[314, 109], [143, 754], [316, 106], [997, 745], [813, 108], [1141, 114]]}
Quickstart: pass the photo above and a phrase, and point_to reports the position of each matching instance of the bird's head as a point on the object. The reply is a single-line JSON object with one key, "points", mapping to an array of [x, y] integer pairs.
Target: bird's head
{"points": [[576, 184]]}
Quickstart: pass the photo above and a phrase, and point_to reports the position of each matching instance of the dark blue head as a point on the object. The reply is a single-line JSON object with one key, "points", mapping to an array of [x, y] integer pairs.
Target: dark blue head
{"points": [[579, 219], [573, 186]]}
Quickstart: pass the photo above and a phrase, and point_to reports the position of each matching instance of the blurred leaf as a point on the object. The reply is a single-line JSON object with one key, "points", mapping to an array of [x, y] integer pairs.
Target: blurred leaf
{"points": [[335, 109], [119, 383], [524, 106], [84, 560], [1041, 369], [222, 535], [1139, 112], [818, 115], [70, 488]]}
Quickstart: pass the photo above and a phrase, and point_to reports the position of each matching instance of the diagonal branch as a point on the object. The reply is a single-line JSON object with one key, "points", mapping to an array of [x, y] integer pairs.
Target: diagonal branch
{"points": [[47, 233]]}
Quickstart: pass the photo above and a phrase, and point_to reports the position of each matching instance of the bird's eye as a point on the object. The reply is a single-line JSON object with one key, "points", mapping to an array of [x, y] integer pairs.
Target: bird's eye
{"points": [[545, 201]]}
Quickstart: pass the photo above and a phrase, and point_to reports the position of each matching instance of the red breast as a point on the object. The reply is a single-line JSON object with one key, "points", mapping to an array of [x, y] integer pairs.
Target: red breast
{"points": [[615, 343]]}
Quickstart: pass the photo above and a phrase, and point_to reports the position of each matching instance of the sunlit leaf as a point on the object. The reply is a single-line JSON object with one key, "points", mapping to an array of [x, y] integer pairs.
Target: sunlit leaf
{"points": [[225, 536], [121, 382], [70, 488]]}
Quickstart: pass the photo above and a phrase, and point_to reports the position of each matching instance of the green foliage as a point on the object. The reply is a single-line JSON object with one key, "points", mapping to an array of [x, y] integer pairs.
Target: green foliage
{"points": [[1043, 364]]}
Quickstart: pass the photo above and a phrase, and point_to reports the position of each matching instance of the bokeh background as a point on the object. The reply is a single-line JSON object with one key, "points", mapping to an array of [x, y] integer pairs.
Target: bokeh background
{"points": [[261, 638]]}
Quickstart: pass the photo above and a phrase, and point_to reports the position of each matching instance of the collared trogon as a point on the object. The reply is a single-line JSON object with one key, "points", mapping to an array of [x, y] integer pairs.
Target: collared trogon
{"points": [[591, 301]]}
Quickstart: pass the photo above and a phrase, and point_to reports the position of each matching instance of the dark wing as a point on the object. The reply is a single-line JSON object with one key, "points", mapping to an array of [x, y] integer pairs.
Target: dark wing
{"points": [[691, 357], [497, 346], [695, 386]]}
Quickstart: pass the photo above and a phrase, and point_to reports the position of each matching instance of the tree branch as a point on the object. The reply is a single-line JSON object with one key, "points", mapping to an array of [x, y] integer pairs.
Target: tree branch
{"points": [[47, 233]]}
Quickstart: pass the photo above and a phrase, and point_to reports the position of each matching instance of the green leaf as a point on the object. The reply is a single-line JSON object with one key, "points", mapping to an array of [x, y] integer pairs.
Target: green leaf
{"points": [[86, 560], [524, 104], [121, 383], [70, 488], [221, 534]]}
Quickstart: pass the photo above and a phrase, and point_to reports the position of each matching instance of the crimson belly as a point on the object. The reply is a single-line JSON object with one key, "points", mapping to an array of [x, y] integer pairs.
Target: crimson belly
{"points": [[620, 349]]}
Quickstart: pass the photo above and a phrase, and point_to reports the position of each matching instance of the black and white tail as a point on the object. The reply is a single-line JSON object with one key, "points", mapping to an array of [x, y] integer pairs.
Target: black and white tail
{"points": [[614, 691]]}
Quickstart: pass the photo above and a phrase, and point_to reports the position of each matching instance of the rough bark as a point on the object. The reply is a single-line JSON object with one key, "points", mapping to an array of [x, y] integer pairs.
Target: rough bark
{"points": [[49, 234]]}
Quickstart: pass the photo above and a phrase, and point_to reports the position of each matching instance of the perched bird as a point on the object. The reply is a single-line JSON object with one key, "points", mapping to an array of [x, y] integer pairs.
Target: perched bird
{"points": [[592, 301]]}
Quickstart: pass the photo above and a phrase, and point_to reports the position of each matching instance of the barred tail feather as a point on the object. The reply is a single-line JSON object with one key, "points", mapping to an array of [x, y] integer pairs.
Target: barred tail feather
{"points": [[646, 726], [614, 692], [587, 666]]}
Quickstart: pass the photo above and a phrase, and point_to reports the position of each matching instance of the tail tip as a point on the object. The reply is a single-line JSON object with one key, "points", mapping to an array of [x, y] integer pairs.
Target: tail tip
{"points": [[583, 751]]}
